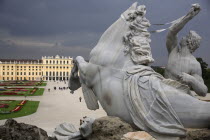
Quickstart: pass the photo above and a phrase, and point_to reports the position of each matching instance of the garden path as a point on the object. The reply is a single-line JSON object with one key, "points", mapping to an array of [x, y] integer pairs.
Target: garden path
{"points": [[56, 106]]}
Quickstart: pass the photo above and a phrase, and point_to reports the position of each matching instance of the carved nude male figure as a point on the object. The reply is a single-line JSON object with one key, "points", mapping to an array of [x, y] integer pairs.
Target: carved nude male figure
{"points": [[182, 65]]}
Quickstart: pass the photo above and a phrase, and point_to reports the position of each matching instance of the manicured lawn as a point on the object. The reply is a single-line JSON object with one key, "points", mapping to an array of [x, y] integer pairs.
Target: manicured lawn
{"points": [[28, 108], [23, 83], [21, 91], [43, 84], [39, 92]]}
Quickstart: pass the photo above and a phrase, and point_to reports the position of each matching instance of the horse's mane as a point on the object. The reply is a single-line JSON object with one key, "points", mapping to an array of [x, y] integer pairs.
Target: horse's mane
{"points": [[109, 50], [125, 41]]}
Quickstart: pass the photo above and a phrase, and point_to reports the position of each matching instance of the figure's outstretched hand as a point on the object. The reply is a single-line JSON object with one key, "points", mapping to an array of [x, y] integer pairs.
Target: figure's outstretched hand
{"points": [[195, 9], [185, 78]]}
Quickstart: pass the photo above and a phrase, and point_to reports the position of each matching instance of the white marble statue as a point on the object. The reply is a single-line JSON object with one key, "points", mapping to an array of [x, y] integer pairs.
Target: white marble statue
{"points": [[182, 65], [118, 76], [66, 131]]}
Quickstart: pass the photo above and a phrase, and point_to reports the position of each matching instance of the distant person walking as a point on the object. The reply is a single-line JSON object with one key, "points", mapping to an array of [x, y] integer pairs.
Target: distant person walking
{"points": [[80, 122], [80, 99], [48, 89]]}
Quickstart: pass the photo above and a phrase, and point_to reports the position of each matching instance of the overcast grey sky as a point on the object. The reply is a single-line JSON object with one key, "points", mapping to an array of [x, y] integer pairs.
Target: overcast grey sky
{"points": [[35, 28]]}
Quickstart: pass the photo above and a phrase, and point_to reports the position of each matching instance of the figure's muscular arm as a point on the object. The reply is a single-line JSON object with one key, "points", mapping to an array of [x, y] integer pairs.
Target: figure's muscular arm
{"points": [[171, 41], [198, 85], [196, 82]]}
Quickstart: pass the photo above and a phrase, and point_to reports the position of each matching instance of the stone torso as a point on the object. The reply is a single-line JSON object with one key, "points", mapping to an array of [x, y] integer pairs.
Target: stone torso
{"points": [[179, 62]]}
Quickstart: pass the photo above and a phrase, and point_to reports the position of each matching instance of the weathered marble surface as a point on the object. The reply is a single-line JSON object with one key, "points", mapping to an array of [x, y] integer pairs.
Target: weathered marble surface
{"points": [[118, 76], [182, 65], [67, 131]]}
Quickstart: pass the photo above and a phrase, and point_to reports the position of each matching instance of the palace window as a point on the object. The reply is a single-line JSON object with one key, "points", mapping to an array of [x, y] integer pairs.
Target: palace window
{"points": [[3, 73], [7, 73]]}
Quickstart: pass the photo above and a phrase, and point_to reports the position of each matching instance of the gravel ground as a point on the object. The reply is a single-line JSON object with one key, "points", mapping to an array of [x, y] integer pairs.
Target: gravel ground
{"points": [[57, 106]]}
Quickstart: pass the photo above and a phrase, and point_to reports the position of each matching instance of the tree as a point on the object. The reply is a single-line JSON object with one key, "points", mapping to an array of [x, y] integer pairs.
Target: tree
{"points": [[158, 70], [204, 67], [205, 72]]}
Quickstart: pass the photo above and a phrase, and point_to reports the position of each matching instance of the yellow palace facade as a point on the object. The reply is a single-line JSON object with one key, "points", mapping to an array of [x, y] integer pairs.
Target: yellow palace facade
{"points": [[47, 68]]}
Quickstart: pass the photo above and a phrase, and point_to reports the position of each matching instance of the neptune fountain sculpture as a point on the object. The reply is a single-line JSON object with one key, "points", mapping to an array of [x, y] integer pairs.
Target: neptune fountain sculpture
{"points": [[182, 65], [118, 76]]}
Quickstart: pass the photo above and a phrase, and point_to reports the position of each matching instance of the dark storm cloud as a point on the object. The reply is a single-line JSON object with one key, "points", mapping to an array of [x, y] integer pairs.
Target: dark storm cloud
{"points": [[35, 28], [44, 17]]}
